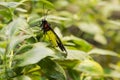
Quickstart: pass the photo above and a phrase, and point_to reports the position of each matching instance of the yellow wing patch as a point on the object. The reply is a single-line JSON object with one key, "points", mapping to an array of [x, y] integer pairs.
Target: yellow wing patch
{"points": [[52, 37], [55, 40]]}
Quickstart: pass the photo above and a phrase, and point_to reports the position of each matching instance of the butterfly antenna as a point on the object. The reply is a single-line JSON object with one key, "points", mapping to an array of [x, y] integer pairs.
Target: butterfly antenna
{"points": [[46, 14], [43, 11]]}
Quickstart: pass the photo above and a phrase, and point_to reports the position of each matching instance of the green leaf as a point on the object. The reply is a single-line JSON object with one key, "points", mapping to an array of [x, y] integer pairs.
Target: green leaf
{"points": [[16, 40], [34, 55], [2, 50], [24, 48], [90, 67], [78, 43], [21, 10], [91, 28], [100, 38], [34, 20], [58, 32], [61, 3], [115, 67], [9, 4], [52, 69], [3, 44], [114, 74], [23, 77], [47, 3], [5, 13], [67, 63], [103, 52], [77, 55], [14, 27], [75, 75], [56, 19]]}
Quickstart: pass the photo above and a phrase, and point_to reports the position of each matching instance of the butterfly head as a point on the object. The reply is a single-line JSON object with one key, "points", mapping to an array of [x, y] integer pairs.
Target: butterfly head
{"points": [[44, 21]]}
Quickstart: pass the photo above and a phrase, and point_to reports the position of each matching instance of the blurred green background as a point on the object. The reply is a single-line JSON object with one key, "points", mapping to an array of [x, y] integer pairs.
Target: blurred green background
{"points": [[89, 29]]}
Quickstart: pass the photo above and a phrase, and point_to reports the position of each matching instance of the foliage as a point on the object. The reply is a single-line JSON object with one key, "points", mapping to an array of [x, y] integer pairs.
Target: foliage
{"points": [[89, 29]]}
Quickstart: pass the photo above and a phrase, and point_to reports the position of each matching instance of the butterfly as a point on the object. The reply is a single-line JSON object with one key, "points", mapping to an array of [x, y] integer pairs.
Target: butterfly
{"points": [[53, 37]]}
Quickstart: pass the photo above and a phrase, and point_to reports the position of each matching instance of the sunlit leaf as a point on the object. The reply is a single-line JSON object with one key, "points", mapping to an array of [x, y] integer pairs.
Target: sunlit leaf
{"points": [[2, 50], [49, 17], [103, 52], [90, 67], [58, 32], [61, 3], [77, 55], [34, 55], [21, 10], [90, 28], [9, 4], [100, 38], [114, 74], [78, 43], [115, 67], [14, 27]]}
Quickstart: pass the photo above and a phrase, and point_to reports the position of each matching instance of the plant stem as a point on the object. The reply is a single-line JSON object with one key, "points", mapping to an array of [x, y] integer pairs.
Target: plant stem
{"points": [[5, 61], [11, 58]]}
